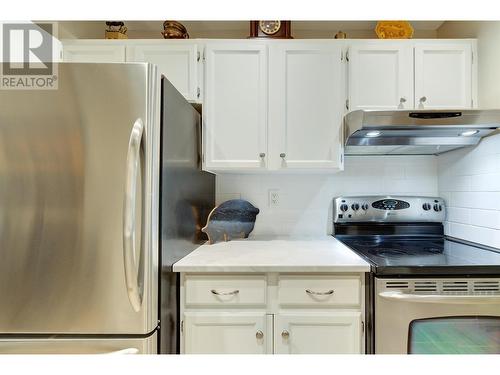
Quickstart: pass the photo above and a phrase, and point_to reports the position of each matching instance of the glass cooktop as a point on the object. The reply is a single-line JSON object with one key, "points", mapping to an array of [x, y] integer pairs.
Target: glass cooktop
{"points": [[398, 255]]}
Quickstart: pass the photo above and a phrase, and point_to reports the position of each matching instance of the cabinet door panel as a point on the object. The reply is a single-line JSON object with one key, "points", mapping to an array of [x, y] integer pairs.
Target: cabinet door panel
{"points": [[235, 106], [176, 61], [318, 333], [227, 333], [99, 52], [306, 105], [443, 75], [380, 76]]}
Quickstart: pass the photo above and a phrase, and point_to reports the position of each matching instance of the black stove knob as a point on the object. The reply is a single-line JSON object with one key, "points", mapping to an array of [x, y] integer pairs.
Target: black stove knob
{"points": [[438, 207], [344, 207], [426, 206], [364, 206], [355, 206]]}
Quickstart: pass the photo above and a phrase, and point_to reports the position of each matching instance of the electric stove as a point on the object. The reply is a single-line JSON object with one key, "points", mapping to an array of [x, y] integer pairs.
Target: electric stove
{"points": [[425, 287], [402, 235]]}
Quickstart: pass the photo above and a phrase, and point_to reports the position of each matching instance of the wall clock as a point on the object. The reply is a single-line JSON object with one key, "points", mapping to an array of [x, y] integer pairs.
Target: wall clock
{"points": [[271, 29]]}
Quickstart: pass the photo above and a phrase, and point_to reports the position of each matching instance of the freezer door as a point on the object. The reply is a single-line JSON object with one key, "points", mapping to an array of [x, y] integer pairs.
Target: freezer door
{"points": [[79, 203], [146, 345]]}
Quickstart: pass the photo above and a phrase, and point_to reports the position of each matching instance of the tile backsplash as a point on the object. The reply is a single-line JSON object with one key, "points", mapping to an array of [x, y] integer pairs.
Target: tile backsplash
{"points": [[469, 181], [305, 200]]}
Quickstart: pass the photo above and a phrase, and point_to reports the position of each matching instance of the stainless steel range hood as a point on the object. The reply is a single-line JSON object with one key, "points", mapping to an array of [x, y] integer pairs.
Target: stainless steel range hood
{"points": [[417, 132]]}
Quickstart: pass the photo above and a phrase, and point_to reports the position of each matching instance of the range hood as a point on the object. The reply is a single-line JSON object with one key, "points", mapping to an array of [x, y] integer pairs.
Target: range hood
{"points": [[417, 132]]}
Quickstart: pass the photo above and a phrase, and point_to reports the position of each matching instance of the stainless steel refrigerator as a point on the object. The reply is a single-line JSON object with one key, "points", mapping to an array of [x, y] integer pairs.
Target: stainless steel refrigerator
{"points": [[81, 269]]}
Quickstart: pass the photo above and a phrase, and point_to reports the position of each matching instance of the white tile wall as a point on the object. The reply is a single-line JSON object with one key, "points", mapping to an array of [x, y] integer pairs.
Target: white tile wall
{"points": [[306, 200], [469, 181]]}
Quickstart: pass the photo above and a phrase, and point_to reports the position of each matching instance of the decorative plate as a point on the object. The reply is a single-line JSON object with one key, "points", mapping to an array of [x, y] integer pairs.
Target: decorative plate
{"points": [[394, 30], [232, 219]]}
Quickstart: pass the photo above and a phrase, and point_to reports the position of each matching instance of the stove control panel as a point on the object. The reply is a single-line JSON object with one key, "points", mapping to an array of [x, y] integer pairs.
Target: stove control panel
{"points": [[388, 209]]}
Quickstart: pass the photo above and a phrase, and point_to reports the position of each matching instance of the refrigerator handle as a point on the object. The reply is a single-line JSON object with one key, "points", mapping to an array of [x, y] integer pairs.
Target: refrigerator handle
{"points": [[130, 256]]}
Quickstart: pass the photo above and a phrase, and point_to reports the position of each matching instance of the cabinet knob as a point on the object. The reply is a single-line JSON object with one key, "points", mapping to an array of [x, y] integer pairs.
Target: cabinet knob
{"points": [[285, 334], [402, 100], [259, 335], [423, 99], [282, 155], [262, 154]]}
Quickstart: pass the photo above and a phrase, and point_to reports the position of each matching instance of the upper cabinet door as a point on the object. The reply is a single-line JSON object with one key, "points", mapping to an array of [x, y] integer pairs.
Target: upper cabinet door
{"points": [[177, 61], [89, 52], [235, 106], [306, 105], [380, 76], [443, 75]]}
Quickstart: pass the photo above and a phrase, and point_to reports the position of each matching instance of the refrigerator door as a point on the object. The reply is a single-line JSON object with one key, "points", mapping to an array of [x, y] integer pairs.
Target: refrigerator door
{"points": [[78, 203], [146, 345], [187, 197]]}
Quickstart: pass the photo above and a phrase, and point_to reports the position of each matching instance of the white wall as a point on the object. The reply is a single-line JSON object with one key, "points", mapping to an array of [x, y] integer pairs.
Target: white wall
{"points": [[469, 179], [488, 42], [236, 29], [306, 200]]}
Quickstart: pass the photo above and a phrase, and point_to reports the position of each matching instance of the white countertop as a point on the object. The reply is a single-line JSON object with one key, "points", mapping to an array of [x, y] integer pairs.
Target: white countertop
{"points": [[319, 254]]}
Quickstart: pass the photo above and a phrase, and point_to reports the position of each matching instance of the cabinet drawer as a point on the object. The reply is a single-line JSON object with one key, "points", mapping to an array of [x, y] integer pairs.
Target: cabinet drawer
{"points": [[222, 290], [320, 290]]}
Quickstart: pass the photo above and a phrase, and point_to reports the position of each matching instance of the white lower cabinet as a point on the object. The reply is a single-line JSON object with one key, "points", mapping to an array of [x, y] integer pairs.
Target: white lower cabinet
{"points": [[222, 314], [227, 333], [318, 333]]}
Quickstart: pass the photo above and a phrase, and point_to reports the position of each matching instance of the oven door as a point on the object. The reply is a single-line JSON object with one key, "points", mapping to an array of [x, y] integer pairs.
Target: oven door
{"points": [[437, 316]]}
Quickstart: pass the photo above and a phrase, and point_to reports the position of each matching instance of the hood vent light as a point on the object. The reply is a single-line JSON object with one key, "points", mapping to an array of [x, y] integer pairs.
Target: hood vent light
{"points": [[468, 133]]}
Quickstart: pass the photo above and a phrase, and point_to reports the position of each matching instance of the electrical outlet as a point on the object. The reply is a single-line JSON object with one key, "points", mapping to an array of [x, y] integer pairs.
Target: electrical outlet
{"points": [[274, 198]]}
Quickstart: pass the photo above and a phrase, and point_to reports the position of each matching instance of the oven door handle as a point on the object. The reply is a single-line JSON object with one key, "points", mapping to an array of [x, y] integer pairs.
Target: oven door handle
{"points": [[440, 298]]}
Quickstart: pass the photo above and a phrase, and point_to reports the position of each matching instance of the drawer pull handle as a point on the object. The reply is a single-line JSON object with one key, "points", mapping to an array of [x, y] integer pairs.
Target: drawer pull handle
{"points": [[309, 291], [259, 335], [225, 293], [285, 334]]}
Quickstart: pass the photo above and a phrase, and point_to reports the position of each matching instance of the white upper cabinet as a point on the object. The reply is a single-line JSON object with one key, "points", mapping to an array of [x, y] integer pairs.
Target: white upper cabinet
{"points": [[443, 75], [176, 60], [235, 106], [100, 51], [305, 105], [298, 127], [277, 105], [409, 74], [380, 76]]}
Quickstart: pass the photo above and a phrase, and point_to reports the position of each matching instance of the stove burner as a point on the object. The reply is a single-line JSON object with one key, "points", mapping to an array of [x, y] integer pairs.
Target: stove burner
{"points": [[398, 255], [400, 250], [387, 247]]}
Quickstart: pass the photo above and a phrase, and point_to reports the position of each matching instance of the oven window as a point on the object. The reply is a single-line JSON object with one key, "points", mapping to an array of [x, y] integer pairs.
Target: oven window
{"points": [[455, 335]]}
